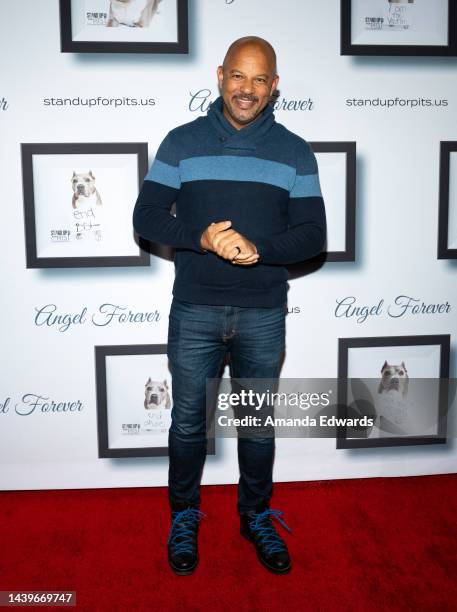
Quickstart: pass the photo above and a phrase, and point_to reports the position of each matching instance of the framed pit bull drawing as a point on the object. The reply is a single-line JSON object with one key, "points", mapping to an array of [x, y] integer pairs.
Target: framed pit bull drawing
{"points": [[78, 202], [401, 383], [134, 401], [399, 27], [124, 26]]}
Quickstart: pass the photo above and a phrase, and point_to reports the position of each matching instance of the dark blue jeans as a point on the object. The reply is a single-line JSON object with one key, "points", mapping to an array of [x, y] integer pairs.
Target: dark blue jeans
{"points": [[199, 336]]}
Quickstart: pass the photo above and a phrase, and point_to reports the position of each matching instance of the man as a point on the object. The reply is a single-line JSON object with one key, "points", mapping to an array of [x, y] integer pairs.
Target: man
{"points": [[248, 202]]}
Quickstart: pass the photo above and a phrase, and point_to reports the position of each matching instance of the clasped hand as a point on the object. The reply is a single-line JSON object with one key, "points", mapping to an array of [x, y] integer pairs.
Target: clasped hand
{"points": [[229, 244]]}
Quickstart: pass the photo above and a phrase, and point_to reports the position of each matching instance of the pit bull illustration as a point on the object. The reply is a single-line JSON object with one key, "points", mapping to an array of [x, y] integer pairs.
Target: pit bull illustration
{"points": [[393, 389], [133, 13], [86, 206], [156, 395]]}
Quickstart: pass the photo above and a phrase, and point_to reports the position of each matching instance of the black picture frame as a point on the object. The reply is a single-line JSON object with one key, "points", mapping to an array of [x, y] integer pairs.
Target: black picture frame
{"points": [[104, 450], [68, 45], [348, 48], [344, 344], [28, 150], [444, 252], [350, 149]]}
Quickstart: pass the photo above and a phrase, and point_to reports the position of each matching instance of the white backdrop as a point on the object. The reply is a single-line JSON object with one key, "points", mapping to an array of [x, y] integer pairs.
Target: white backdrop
{"points": [[396, 239]]}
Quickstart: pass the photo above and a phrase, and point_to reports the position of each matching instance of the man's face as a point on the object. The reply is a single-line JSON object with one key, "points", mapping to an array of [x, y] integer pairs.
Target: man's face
{"points": [[246, 84]]}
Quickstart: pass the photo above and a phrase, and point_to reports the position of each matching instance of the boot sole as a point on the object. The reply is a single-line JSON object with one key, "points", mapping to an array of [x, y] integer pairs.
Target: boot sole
{"points": [[273, 570], [183, 572]]}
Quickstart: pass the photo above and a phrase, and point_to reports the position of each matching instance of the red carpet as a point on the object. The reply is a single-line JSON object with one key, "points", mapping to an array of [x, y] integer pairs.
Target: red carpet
{"points": [[372, 544]]}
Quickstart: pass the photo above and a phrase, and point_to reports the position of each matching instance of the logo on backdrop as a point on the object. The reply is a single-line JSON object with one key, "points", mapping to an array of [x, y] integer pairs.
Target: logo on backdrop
{"points": [[200, 101], [32, 402], [99, 102], [397, 102], [293, 310], [107, 314], [4, 104], [402, 306]]}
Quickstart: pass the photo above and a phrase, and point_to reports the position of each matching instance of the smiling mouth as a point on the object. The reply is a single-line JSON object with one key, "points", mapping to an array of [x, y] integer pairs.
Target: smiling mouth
{"points": [[244, 104]]}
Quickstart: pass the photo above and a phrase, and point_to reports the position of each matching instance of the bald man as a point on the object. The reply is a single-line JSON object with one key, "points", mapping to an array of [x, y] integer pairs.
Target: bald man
{"points": [[248, 202]]}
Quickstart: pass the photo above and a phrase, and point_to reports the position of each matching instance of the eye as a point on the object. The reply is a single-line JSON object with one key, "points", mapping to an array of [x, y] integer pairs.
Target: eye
{"points": [[401, 373], [87, 180]]}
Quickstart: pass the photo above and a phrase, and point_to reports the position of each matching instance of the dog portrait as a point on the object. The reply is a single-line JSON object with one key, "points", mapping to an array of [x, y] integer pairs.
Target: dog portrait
{"points": [[399, 383], [85, 202], [393, 389], [394, 378], [133, 13], [156, 395]]}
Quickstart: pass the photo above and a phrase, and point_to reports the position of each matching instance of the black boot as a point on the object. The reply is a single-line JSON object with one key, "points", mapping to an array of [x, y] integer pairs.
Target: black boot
{"points": [[182, 540], [258, 528]]}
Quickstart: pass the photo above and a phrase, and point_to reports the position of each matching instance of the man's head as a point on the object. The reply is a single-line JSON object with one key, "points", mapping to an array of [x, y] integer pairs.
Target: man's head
{"points": [[247, 79]]}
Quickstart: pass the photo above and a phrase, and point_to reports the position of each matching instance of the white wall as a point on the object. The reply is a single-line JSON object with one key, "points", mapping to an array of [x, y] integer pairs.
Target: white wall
{"points": [[397, 216]]}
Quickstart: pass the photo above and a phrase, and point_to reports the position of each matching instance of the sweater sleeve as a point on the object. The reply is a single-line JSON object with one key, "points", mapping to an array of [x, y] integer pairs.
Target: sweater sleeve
{"points": [[306, 233], [152, 218]]}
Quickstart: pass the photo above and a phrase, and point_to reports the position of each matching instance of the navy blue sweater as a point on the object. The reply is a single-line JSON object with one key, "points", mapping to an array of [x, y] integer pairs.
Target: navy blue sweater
{"points": [[263, 178]]}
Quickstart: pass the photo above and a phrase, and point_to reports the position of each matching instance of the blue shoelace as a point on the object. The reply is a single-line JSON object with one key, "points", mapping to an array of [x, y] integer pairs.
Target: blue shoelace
{"points": [[262, 525], [182, 532]]}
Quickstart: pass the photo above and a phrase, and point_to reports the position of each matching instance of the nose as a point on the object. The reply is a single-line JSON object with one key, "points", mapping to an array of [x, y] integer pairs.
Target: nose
{"points": [[247, 87]]}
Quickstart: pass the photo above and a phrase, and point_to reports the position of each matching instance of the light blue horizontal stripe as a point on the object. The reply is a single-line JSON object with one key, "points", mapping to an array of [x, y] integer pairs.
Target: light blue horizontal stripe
{"points": [[306, 186], [235, 168], [164, 174]]}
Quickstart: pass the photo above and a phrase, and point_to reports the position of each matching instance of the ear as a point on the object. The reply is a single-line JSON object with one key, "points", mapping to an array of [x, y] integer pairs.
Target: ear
{"points": [[148, 381], [220, 75], [403, 366], [90, 174], [274, 84], [384, 366], [74, 174]]}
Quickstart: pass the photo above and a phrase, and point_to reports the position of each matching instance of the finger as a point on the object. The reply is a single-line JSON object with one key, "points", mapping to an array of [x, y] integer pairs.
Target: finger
{"points": [[228, 236], [215, 228], [250, 260], [221, 225], [230, 251], [246, 255], [222, 238], [234, 252], [225, 243], [244, 263]]}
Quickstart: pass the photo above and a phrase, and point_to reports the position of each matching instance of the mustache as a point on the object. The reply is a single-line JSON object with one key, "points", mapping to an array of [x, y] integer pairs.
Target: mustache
{"points": [[246, 97]]}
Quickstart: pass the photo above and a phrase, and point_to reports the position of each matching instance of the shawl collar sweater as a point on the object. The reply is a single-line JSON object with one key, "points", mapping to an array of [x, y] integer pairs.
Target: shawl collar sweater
{"points": [[263, 178]]}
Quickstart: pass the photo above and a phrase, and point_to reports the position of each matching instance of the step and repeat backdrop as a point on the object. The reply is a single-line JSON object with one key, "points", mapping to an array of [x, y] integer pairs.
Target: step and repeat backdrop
{"points": [[88, 90]]}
